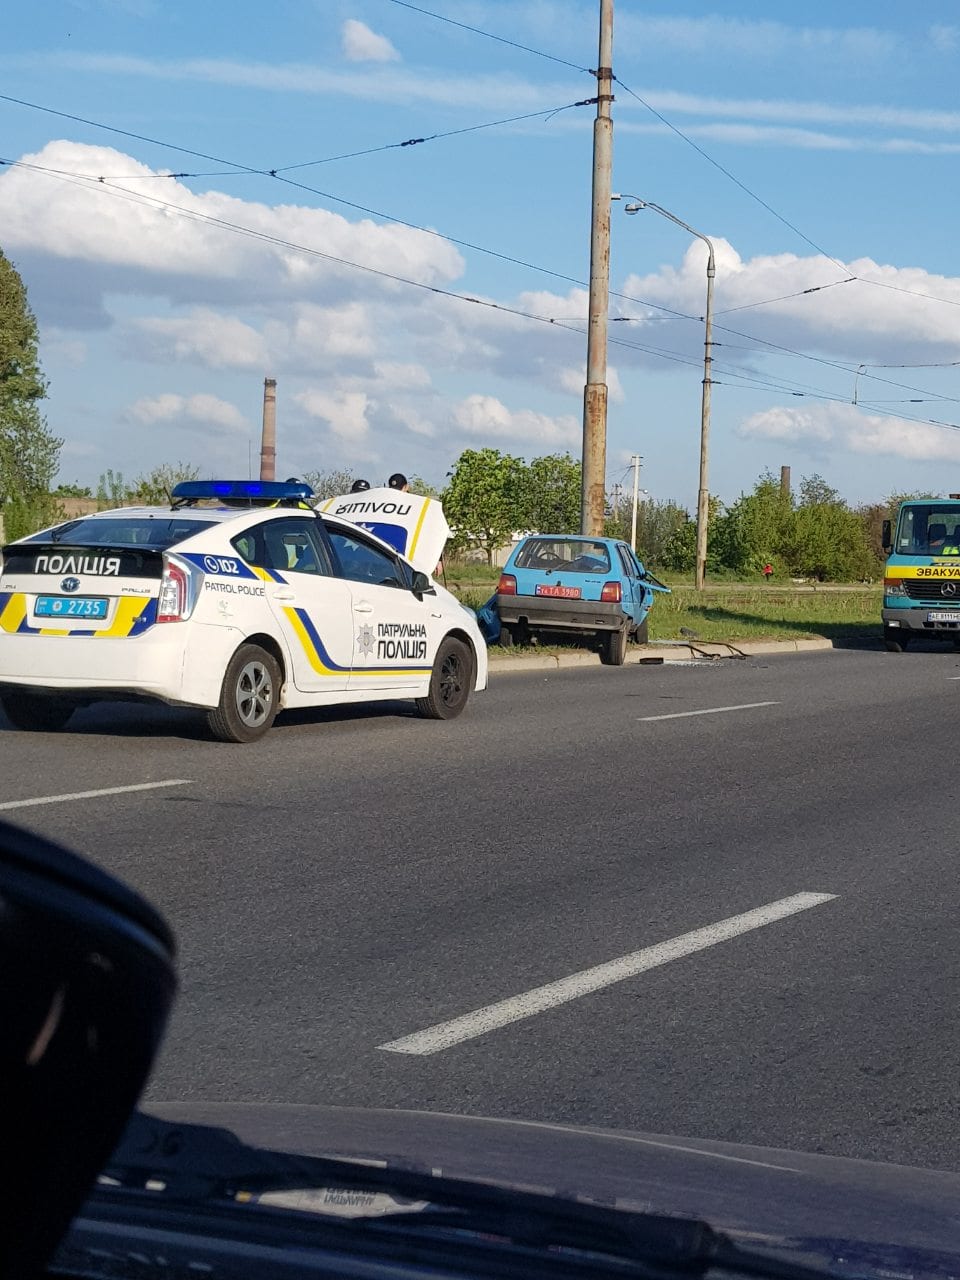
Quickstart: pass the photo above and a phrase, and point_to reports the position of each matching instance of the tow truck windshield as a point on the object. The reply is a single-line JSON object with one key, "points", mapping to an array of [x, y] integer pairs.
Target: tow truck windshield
{"points": [[928, 529]]}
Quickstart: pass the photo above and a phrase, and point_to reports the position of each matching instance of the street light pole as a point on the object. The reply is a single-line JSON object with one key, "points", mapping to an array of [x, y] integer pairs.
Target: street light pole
{"points": [[593, 493], [703, 492]]}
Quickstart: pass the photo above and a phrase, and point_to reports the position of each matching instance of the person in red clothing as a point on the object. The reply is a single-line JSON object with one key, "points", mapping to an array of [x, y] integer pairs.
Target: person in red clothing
{"points": [[767, 571]]}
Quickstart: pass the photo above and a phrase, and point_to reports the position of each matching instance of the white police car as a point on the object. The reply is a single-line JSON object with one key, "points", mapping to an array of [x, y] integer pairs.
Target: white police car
{"points": [[245, 607]]}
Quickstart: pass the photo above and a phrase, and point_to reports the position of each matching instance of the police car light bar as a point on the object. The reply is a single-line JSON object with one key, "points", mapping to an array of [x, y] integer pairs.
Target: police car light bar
{"points": [[253, 492]]}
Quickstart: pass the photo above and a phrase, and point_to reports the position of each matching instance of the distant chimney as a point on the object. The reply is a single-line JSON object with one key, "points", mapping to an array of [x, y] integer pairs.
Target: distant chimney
{"points": [[785, 483], [268, 440]]}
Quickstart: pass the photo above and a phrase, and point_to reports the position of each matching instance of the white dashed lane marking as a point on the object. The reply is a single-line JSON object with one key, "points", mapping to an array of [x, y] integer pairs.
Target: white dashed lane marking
{"points": [[444, 1035], [708, 711], [93, 795]]}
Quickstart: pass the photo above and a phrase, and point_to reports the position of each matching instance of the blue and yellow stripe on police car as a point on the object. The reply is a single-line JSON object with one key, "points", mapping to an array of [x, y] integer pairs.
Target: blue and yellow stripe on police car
{"points": [[320, 659], [133, 615], [267, 575]]}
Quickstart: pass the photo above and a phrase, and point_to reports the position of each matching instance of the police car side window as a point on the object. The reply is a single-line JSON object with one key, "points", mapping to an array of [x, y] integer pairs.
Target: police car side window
{"points": [[362, 562], [290, 546]]}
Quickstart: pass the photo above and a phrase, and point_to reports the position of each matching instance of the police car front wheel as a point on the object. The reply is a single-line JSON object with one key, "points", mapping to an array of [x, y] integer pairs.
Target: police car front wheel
{"points": [[450, 681], [249, 699]]}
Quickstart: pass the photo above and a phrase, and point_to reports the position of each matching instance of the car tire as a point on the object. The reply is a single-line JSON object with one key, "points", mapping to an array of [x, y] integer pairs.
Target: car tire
{"points": [[249, 697], [36, 711], [450, 682], [506, 638], [613, 647], [895, 641], [642, 633]]}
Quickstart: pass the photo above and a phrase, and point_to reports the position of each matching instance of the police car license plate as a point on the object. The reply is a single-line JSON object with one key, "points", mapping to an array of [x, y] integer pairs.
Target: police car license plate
{"points": [[944, 617], [564, 593], [70, 607]]}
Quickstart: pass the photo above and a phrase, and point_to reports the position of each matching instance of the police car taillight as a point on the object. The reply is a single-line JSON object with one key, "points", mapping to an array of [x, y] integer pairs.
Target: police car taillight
{"points": [[611, 593], [172, 604]]}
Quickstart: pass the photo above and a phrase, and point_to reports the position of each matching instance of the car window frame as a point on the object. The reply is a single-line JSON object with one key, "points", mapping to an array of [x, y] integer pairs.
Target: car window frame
{"points": [[356, 534], [322, 549], [627, 561]]}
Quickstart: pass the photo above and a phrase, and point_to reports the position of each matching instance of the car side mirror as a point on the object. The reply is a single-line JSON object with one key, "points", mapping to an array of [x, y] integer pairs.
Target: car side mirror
{"points": [[421, 585], [886, 536], [88, 981]]}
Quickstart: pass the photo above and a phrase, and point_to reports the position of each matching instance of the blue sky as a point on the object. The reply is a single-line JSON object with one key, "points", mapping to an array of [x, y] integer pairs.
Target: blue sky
{"points": [[164, 301]]}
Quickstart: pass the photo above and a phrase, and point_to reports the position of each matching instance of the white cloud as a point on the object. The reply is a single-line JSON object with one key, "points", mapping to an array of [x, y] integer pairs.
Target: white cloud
{"points": [[847, 428], [945, 39], [713, 35], [487, 417], [181, 253], [360, 44], [486, 92], [204, 336], [381, 84], [345, 415], [571, 379], [798, 111], [856, 321], [202, 408], [402, 377]]}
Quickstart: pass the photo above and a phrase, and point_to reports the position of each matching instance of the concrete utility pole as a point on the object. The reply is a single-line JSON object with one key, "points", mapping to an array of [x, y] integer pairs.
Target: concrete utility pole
{"points": [[635, 463], [595, 391], [785, 483], [268, 439], [703, 495]]}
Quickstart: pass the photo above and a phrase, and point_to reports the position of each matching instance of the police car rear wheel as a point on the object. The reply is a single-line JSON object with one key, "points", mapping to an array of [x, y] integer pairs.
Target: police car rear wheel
{"points": [[450, 682], [249, 697], [34, 711]]}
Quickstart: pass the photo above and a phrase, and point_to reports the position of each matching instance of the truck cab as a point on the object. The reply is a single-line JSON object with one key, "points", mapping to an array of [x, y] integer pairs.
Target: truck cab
{"points": [[921, 584]]}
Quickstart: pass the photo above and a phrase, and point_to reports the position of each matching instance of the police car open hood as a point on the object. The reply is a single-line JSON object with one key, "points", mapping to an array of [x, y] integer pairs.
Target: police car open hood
{"points": [[414, 526]]}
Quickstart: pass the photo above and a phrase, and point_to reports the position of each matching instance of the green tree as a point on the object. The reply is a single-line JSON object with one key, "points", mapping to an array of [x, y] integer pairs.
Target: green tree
{"points": [[72, 491], [484, 500], [29, 451], [155, 488], [423, 487], [752, 530], [329, 484], [551, 494], [111, 490]]}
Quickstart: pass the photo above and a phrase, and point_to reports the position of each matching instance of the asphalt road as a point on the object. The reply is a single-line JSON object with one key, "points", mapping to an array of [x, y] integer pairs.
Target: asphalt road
{"points": [[361, 876]]}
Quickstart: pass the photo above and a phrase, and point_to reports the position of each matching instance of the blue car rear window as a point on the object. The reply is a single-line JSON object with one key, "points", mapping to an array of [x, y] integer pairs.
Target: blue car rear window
{"points": [[571, 555]]}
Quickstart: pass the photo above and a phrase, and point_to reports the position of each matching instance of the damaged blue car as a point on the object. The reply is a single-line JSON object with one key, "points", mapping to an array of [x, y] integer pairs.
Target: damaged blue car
{"points": [[567, 584]]}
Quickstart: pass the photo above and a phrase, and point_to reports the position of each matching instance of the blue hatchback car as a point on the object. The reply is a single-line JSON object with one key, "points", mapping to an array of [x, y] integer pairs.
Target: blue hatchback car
{"points": [[565, 583]]}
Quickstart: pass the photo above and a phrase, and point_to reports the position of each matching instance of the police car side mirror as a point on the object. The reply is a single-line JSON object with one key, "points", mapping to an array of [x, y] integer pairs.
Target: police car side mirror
{"points": [[886, 537], [421, 586]]}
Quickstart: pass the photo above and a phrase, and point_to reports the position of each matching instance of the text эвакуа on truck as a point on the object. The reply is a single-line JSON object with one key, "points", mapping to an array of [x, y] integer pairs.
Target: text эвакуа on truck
{"points": [[921, 584]]}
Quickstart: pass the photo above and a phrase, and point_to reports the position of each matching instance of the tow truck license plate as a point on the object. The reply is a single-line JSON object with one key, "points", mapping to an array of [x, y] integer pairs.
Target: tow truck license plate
{"points": [[944, 617], [70, 607], [565, 593]]}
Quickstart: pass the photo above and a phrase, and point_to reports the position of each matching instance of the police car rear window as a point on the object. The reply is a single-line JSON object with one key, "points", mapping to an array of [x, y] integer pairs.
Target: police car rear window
{"points": [[154, 533]]}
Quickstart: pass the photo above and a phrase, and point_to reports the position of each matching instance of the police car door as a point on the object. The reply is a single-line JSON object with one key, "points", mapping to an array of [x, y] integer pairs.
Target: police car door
{"points": [[396, 633], [312, 606]]}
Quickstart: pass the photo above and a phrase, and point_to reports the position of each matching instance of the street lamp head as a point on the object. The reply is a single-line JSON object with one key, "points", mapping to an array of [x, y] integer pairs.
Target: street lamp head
{"points": [[635, 207]]}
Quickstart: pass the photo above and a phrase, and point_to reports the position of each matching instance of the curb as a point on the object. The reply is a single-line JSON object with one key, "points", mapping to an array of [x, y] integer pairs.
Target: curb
{"points": [[661, 654]]}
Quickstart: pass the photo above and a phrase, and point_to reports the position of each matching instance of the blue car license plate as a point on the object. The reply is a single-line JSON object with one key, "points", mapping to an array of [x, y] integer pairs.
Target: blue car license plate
{"points": [[70, 607]]}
